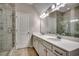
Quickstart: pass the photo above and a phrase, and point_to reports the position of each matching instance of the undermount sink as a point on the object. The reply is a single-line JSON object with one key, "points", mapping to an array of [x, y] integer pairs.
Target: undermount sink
{"points": [[55, 39], [51, 38]]}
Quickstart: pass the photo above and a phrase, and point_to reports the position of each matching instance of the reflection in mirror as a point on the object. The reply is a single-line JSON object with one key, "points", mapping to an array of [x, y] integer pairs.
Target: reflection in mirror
{"points": [[63, 23], [68, 23], [64, 27], [48, 24]]}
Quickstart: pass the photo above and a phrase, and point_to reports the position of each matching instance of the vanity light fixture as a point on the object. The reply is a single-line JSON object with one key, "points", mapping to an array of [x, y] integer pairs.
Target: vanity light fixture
{"points": [[44, 15], [58, 4], [53, 6], [63, 5], [58, 7]]}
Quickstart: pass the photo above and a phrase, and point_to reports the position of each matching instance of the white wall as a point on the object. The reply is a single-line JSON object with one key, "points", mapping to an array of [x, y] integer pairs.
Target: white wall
{"points": [[28, 9]]}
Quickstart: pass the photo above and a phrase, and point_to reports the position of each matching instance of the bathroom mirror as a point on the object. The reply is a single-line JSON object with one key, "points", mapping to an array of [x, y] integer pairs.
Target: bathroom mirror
{"points": [[68, 28], [48, 24], [68, 23], [62, 23]]}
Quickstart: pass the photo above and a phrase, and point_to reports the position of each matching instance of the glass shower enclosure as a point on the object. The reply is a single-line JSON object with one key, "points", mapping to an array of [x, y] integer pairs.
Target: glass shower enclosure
{"points": [[5, 29]]}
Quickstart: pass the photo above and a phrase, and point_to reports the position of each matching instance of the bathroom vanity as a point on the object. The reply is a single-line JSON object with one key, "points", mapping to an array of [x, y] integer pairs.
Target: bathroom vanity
{"points": [[52, 46]]}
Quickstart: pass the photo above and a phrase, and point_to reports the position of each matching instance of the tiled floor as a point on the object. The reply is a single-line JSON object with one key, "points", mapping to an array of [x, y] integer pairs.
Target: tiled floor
{"points": [[4, 53], [24, 52]]}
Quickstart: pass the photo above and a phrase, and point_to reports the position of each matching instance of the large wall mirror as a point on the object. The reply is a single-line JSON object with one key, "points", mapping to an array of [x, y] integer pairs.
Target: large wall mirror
{"points": [[48, 24], [63, 22], [68, 23]]}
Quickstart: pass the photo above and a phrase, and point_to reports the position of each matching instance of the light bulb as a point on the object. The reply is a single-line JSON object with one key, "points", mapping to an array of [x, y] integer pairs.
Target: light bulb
{"points": [[53, 6], [57, 3]]}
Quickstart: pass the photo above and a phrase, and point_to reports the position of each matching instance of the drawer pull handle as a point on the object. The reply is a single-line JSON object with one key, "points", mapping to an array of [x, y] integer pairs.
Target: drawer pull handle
{"points": [[58, 52]]}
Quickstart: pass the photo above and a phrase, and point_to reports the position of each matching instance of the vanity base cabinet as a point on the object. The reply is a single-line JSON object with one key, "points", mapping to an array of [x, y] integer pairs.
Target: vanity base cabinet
{"points": [[50, 53], [59, 52], [73, 53], [35, 43], [45, 48], [42, 50], [48, 48], [42, 47]]}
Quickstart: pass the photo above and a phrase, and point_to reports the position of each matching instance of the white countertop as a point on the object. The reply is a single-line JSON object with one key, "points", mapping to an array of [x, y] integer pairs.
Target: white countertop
{"points": [[63, 43]]}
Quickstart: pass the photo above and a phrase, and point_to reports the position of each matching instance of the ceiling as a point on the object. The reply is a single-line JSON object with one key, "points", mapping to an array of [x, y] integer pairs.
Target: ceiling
{"points": [[41, 7]]}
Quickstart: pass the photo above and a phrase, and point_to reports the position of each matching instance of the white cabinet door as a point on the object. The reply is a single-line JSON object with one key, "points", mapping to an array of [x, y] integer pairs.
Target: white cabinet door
{"points": [[42, 50], [59, 52], [23, 30], [35, 43], [50, 53]]}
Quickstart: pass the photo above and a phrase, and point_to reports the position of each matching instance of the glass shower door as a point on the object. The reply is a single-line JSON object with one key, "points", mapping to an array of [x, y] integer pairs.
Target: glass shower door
{"points": [[5, 30]]}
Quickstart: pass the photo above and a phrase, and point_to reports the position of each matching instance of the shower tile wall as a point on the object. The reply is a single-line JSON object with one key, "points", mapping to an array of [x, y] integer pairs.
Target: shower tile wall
{"points": [[0, 43], [5, 27], [1, 23]]}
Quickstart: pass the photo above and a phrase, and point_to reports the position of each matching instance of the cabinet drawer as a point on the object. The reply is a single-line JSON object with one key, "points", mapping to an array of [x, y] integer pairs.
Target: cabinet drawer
{"points": [[59, 52], [46, 44], [50, 53], [34, 37]]}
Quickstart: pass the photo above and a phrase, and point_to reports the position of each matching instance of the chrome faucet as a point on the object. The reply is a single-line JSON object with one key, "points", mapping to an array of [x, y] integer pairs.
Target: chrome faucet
{"points": [[58, 36]]}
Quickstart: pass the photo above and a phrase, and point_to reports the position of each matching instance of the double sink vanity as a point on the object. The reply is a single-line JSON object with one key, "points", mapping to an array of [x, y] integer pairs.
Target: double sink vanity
{"points": [[51, 45]]}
